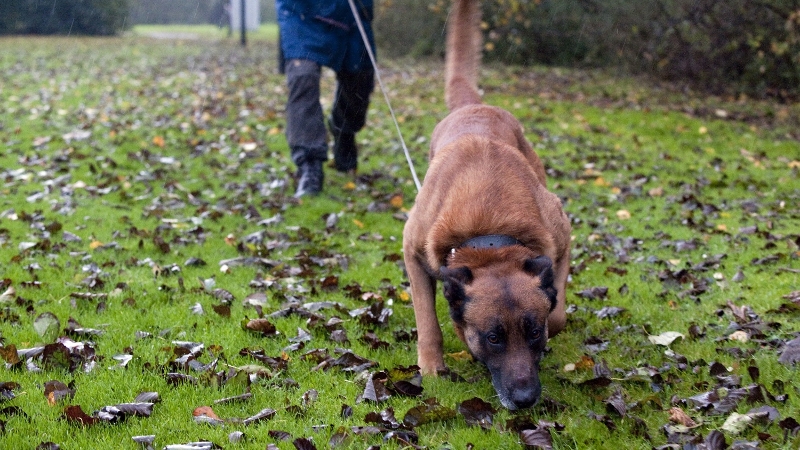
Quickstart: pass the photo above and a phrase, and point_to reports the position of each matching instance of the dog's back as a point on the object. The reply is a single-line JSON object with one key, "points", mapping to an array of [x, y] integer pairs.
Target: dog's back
{"points": [[478, 154]]}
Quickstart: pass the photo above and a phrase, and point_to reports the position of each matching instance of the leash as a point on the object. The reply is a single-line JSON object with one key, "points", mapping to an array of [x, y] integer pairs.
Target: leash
{"points": [[383, 91]]}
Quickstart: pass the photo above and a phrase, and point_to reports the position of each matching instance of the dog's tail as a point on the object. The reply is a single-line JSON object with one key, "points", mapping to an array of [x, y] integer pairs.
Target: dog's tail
{"points": [[463, 54]]}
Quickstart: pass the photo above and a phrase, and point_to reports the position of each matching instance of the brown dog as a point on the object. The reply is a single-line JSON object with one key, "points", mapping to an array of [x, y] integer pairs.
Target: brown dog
{"points": [[485, 224]]}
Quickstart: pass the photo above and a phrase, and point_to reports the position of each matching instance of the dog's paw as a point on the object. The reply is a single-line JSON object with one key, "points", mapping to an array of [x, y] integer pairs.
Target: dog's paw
{"points": [[432, 368]]}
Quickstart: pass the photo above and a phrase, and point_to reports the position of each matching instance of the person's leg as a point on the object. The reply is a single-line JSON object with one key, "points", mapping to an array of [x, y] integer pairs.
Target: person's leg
{"points": [[349, 114], [305, 124]]}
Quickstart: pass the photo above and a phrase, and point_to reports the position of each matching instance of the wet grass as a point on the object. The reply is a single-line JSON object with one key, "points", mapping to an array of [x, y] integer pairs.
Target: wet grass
{"points": [[124, 158]]}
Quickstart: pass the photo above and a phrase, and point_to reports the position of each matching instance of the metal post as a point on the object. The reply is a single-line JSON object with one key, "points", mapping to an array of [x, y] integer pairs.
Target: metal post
{"points": [[244, 24]]}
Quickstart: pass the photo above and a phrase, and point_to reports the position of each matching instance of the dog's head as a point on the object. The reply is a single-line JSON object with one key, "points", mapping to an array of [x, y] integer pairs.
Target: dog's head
{"points": [[500, 312]]}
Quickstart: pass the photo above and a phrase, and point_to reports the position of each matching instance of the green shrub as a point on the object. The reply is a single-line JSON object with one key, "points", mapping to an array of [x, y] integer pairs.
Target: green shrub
{"points": [[725, 46], [749, 45], [733, 46], [410, 27], [92, 17]]}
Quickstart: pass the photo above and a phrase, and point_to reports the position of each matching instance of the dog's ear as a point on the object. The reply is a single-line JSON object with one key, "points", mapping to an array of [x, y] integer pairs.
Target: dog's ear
{"points": [[542, 267], [453, 281]]}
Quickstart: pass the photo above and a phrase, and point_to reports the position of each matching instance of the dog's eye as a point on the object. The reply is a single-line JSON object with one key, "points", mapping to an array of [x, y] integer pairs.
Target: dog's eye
{"points": [[536, 334], [493, 339]]}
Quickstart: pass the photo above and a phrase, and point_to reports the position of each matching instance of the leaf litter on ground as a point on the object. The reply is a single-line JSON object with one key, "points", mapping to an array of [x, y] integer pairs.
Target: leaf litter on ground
{"points": [[112, 204]]}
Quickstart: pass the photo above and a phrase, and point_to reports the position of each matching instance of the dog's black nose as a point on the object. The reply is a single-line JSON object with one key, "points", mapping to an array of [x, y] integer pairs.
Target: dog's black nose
{"points": [[525, 398]]}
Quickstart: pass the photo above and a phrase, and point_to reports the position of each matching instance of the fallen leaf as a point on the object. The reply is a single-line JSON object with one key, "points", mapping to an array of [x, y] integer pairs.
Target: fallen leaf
{"points": [[594, 293], [205, 411], [715, 441], [7, 391], [264, 414], [739, 335], [679, 416], [429, 411], [55, 391], [263, 326], [148, 397], [616, 403], [75, 414], [10, 355], [460, 356], [666, 339], [8, 295], [304, 444], [790, 353], [385, 418], [736, 423], [47, 326], [537, 438], [375, 389], [477, 412]]}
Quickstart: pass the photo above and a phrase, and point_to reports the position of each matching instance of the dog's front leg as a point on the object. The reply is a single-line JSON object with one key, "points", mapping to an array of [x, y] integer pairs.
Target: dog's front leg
{"points": [[429, 334]]}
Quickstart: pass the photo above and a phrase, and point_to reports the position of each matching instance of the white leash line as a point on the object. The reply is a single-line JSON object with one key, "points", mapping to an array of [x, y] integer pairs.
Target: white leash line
{"points": [[383, 91]]}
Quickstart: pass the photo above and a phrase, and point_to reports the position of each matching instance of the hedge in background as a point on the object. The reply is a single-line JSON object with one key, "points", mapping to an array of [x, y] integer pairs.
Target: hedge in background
{"points": [[410, 27], [177, 11], [753, 43], [92, 17], [731, 46]]}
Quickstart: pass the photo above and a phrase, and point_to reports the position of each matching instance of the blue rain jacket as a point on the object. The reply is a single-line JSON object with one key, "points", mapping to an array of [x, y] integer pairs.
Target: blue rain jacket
{"points": [[325, 31]]}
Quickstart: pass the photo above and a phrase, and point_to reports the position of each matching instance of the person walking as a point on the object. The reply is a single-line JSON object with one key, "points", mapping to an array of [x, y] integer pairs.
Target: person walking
{"points": [[313, 34]]}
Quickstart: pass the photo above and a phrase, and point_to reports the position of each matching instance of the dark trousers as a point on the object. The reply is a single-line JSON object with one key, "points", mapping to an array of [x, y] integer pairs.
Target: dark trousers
{"points": [[305, 122]]}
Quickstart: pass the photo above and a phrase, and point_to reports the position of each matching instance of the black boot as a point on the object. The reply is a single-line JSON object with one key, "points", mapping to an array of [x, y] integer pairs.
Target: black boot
{"points": [[345, 152], [309, 178]]}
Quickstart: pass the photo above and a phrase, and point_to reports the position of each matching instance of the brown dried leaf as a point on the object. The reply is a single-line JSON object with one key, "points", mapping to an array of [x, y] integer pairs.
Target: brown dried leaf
{"points": [[537, 438], [205, 411], [263, 326], [75, 414], [56, 391], [429, 411], [10, 355], [677, 415], [477, 412], [615, 403]]}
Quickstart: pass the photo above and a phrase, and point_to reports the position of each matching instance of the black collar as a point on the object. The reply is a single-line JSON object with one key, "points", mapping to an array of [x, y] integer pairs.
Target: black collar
{"points": [[490, 241]]}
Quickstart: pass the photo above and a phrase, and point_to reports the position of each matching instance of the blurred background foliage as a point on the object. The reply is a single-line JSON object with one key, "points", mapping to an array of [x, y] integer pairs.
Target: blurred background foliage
{"points": [[736, 47], [90, 17], [747, 47]]}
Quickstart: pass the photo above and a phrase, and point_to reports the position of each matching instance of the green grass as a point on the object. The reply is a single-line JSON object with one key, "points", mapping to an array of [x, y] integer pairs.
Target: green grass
{"points": [[266, 32], [185, 140]]}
